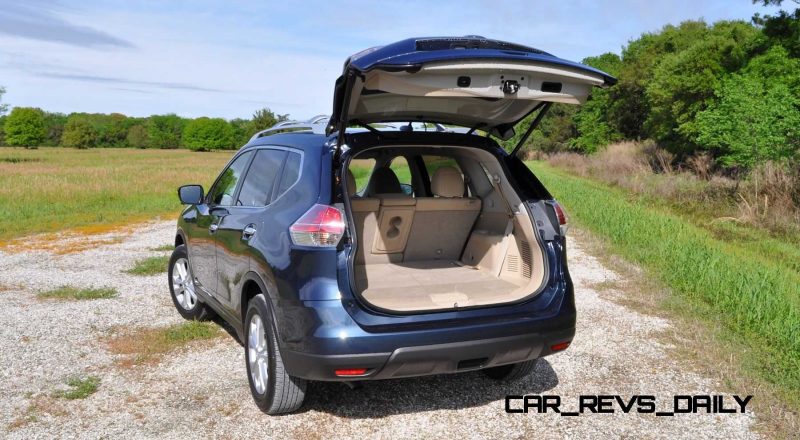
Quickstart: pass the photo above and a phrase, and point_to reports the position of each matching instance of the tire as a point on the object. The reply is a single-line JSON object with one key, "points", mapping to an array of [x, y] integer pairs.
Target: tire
{"points": [[280, 393], [182, 288], [512, 372]]}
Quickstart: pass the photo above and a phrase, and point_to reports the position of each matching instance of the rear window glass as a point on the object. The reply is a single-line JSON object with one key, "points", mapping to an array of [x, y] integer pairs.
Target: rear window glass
{"points": [[400, 167], [260, 178], [433, 163], [291, 172]]}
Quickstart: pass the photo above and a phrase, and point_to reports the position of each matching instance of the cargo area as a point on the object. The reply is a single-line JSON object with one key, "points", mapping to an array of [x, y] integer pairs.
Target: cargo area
{"points": [[462, 238]]}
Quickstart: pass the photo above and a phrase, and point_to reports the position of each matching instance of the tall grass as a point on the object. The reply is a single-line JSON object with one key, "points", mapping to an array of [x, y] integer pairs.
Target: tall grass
{"points": [[756, 299], [55, 188], [767, 198]]}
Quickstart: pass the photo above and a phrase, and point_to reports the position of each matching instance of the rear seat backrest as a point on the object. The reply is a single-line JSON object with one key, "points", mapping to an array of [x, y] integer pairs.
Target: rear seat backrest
{"points": [[442, 224], [393, 212]]}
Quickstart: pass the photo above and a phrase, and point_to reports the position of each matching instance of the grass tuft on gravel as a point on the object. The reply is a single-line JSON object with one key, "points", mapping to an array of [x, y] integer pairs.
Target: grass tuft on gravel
{"points": [[150, 266], [148, 345], [70, 292], [163, 248], [79, 388]]}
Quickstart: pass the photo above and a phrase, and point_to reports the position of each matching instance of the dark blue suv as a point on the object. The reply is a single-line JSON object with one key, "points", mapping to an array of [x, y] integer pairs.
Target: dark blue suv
{"points": [[395, 238]]}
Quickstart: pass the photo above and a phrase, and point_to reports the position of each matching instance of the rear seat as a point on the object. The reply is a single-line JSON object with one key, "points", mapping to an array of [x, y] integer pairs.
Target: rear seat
{"points": [[442, 224], [383, 219]]}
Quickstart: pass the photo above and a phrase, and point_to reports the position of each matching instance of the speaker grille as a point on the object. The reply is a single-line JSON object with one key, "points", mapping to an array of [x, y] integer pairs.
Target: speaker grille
{"points": [[527, 263], [512, 263]]}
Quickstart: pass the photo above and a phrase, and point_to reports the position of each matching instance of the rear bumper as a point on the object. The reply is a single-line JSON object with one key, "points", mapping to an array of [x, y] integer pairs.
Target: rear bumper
{"points": [[424, 360]]}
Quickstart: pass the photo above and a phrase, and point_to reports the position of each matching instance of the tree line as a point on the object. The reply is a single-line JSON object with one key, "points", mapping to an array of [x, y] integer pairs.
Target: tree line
{"points": [[32, 127], [729, 89]]}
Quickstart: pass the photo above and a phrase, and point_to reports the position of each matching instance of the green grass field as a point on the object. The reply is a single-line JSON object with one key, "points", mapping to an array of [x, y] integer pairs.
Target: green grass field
{"points": [[756, 299], [51, 189]]}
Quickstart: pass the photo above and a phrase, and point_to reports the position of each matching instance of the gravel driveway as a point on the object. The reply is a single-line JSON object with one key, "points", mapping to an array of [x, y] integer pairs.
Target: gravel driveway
{"points": [[202, 391]]}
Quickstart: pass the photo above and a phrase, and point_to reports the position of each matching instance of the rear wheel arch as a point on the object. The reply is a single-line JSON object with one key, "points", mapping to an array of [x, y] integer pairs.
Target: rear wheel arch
{"points": [[179, 239], [252, 286]]}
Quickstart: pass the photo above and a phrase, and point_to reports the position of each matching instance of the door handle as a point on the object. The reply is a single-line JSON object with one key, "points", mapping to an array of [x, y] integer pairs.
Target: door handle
{"points": [[213, 228], [248, 232]]}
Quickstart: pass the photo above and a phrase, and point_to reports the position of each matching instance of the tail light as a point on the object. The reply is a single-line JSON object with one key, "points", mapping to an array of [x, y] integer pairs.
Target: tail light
{"points": [[320, 226], [350, 372], [563, 222]]}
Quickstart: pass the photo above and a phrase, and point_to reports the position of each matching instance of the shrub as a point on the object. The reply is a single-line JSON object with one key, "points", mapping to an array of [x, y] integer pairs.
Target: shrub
{"points": [[203, 134], [54, 125], [79, 133], [137, 136], [25, 127], [755, 117], [164, 131]]}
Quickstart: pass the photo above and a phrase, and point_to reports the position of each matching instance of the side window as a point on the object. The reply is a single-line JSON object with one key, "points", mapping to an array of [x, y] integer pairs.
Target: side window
{"points": [[362, 169], [223, 190], [260, 178], [400, 167], [291, 172]]}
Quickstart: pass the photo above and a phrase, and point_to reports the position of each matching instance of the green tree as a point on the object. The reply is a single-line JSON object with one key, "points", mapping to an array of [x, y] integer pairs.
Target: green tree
{"points": [[241, 131], [3, 107], [25, 127], [591, 121], [684, 82], [112, 130], [782, 28], [54, 127], [265, 118], [756, 116], [2, 130], [204, 134], [629, 104], [79, 133], [164, 131], [137, 136], [554, 132]]}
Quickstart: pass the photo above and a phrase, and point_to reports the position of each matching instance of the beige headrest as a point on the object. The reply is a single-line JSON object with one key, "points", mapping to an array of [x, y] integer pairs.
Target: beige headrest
{"points": [[447, 182], [350, 181]]}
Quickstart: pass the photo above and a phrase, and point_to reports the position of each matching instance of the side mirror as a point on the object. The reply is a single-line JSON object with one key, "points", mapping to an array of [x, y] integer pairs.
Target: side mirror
{"points": [[191, 194]]}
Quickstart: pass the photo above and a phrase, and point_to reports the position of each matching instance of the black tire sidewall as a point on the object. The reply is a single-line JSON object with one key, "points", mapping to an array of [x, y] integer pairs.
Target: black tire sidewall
{"points": [[258, 305]]}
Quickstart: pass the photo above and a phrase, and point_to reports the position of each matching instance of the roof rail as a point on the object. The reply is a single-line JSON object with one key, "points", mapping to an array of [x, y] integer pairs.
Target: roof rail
{"points": [[314, 125]]}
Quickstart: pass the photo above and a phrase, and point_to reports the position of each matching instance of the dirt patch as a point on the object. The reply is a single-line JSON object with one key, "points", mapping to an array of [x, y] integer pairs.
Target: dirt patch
{"points": [[40, 408], [74, 240], [146, 346]]}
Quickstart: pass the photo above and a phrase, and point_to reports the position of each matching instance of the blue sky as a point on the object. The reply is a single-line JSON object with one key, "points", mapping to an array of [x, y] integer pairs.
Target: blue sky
{"points": [[228, 58]]}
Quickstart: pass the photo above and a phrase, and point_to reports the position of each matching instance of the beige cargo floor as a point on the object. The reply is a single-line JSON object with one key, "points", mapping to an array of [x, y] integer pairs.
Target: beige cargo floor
{"points": [[429, 285]]}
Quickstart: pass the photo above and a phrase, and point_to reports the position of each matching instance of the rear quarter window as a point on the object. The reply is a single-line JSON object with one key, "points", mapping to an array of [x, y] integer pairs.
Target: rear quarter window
{"points": [[260, 178], [362, 170], [291, 173]]}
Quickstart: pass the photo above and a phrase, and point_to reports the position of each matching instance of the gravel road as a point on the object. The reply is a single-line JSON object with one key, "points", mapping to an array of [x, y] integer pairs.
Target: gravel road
{"points": [[202, 391]]}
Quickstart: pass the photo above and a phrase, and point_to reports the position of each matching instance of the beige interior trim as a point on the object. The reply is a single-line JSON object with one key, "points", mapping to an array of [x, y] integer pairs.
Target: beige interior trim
{"points": [[410, 249], [453, 204]]}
